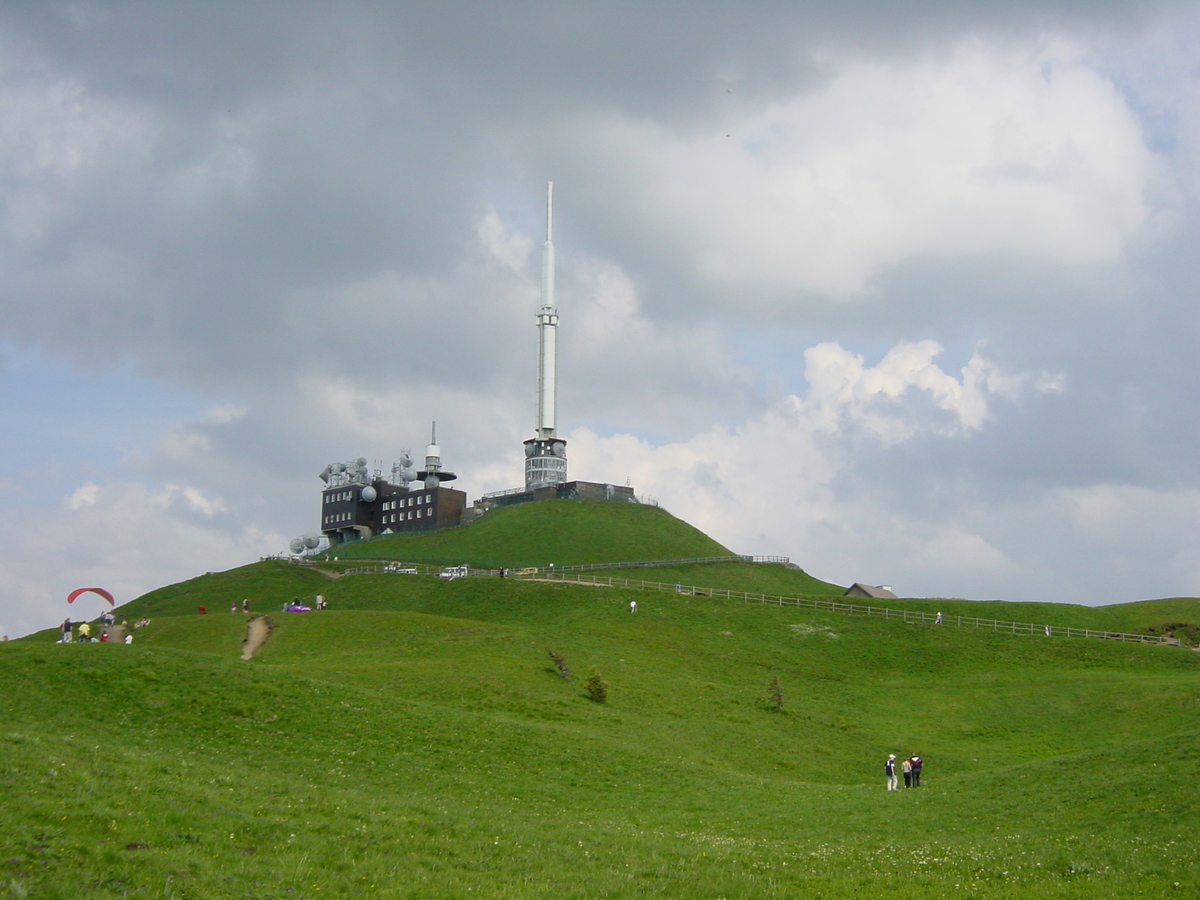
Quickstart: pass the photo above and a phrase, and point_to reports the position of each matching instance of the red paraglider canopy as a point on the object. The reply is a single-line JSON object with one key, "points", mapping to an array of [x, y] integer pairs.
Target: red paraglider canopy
{"points": [[101, 591]]}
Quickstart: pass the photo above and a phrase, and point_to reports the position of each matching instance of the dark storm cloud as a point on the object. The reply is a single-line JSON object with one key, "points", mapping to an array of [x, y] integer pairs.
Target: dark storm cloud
{"points": [[325, 144]]}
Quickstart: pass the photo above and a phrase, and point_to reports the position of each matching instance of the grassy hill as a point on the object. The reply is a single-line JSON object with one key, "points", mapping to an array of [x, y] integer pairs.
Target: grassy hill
{"points": [[416, 741], [537, 534]]}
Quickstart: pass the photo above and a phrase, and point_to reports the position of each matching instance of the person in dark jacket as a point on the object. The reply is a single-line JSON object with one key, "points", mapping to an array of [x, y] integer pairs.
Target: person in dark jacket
{"points": [[917, 762]]}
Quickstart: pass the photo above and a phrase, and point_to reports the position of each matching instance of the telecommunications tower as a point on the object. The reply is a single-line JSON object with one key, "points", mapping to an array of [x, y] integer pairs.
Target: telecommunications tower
{"points": [[545, 455]]}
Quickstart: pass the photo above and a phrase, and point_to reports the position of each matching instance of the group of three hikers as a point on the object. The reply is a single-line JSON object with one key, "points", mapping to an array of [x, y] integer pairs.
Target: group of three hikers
{"points": [[910, 768]]}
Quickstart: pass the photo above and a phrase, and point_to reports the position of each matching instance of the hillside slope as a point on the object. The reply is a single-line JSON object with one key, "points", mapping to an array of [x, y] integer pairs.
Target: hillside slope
{"points": [[423, 744], [417, 740]]}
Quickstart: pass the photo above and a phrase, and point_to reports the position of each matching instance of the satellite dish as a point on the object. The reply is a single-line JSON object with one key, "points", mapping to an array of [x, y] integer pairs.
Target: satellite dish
{"points": [[310, 540], [558, 448], [296, 546], [529, 448], [405, 461], [325, 473], [408, 475], [369, 494], [362, 463]]}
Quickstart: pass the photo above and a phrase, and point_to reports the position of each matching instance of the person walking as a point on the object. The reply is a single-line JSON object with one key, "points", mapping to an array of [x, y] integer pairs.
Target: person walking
{"points": [[66, 630], [917, 762], [633, 606], [245, 604], [906, 768], [937, 619], [889, 769]]}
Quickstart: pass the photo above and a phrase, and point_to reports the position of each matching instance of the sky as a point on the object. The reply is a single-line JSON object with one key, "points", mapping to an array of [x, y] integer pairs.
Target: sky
{"points": [[905, 292]]}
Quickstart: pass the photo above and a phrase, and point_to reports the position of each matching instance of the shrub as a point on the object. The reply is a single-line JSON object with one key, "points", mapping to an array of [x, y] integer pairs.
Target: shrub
{"points": [[560, 664], [597, 690], [775, 694]]}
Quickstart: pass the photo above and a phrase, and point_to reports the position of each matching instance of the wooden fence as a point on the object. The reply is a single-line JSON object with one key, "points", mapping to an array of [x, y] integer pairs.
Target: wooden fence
{"points": [[903, 615]]}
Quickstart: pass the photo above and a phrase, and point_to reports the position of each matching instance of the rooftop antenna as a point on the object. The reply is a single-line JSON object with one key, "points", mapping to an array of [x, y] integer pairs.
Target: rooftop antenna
{"points": [[434, 473]]}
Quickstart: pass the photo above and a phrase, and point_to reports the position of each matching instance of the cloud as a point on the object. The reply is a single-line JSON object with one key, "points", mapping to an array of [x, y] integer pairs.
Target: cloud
{"points": [[779, 475], [843, 392], [975, 153]]}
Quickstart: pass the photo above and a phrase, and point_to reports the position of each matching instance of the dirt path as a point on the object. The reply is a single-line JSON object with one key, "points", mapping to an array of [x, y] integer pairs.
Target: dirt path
{"points": [[258, 629]]}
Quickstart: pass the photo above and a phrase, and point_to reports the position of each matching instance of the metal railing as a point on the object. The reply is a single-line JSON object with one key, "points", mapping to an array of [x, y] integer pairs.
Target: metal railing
{"points": [[508, 492], [904, 615], [664, 563]]}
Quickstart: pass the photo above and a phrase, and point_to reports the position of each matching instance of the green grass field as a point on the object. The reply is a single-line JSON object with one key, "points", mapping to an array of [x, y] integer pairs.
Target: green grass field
{"points": [[537, 534], [416, 741]]}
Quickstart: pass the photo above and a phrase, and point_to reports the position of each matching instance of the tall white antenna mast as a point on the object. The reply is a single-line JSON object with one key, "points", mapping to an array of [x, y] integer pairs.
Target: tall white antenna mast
{"points": [[547, 395], [545, 455]]}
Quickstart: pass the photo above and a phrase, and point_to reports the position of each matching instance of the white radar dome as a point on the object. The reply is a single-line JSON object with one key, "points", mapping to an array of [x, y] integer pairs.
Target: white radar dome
{"points": [[310, 540], [296, 546], [369, 494]]}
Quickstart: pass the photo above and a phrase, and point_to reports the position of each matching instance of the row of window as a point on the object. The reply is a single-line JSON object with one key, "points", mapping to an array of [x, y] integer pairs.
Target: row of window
{"points": [[404, 517], [342, 496], [406, 501], [340, 517]]}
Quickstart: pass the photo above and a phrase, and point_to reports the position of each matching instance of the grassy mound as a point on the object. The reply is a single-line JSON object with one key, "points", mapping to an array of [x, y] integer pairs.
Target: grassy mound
{"points": [[567, 532]]}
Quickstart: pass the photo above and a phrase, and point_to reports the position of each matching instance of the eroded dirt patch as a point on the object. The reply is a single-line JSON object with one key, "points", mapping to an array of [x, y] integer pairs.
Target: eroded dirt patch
{"points": [[258, 629]]}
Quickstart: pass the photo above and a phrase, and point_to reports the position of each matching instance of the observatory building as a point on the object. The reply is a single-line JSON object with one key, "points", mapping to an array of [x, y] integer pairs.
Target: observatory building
{"points": [[358, 503]]}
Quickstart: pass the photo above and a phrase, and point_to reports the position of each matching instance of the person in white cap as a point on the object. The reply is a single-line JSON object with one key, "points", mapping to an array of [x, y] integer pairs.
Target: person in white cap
{"points": [[889, 769]]}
